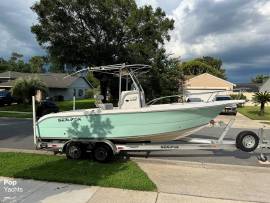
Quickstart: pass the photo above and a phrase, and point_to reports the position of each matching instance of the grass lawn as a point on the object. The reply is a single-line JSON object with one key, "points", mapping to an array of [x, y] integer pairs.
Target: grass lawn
{"points": [[80, 104], [63, 105], [253, 112], [11, 114], [17, 107], [119, 174]]}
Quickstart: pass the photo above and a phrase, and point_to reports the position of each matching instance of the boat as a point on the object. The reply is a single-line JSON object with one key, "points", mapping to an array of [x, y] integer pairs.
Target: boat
{"points": [[133, 120]]}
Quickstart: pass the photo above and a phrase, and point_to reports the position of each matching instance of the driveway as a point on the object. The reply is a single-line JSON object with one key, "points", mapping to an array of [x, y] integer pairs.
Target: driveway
{"points": [[18, 133]]}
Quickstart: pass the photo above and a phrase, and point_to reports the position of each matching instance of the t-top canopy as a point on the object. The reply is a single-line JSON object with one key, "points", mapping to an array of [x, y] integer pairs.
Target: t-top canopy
{"points": [[122, 71], [117, 69]]}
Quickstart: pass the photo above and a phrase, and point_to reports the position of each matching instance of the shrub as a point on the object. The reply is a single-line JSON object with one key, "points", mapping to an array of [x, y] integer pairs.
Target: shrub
{"points": [[238, 96], [90, 93], [58, 98]]}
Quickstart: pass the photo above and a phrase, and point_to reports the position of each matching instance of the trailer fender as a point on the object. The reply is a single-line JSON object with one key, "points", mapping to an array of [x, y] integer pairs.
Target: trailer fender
{"points": [[65, 145], [110, 144]]}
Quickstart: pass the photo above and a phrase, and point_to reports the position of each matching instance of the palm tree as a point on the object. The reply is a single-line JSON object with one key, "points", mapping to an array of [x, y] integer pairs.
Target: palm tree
{"points": [[25, 88], [262, 98]]}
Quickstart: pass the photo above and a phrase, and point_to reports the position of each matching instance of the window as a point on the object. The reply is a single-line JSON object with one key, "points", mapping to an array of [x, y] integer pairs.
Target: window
{"points": [[80, 93], [224, 98]]}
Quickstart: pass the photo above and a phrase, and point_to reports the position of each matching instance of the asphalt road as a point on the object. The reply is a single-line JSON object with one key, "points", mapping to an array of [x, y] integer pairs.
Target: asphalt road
{"points": [[18, 133]]}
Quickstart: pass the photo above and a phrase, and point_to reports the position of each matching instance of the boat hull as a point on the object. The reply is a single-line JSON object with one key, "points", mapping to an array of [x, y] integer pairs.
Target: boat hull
{"points": [[131, 126]]}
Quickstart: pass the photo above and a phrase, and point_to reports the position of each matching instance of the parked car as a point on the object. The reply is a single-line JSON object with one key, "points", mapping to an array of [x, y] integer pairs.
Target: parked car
{"points": [[194, 99], [6, 98], [230, 109], [45, 107]]}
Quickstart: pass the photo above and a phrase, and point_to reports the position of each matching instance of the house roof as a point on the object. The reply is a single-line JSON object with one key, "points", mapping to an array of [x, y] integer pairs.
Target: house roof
{"points": [[191, 77], [265, 86], [52, 80], [249, 87], [12, 74]]}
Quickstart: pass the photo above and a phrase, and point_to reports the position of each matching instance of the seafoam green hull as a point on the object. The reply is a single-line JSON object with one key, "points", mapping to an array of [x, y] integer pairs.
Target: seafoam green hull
{"points": [[125, 126]]}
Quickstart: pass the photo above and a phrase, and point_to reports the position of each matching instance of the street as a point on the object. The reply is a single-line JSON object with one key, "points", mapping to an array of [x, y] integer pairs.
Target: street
{"points": [[18, 134]]}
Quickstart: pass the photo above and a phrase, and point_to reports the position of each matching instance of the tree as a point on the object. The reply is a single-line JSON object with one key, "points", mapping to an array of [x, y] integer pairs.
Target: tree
{"points": [[259, 79], [211, 61], [55, 66], [16, 63], [93, 32], [15, 57], [4, 65], [91, 78], [21, 66], [25, 88], [262, 98], [206, 64], [164, 77], [36, 63], [195, 67]]}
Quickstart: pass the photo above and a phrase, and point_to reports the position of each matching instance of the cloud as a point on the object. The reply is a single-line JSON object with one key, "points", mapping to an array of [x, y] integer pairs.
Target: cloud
{"points": [[153, 3], [237, 31], [167, 6], [15, 23]]}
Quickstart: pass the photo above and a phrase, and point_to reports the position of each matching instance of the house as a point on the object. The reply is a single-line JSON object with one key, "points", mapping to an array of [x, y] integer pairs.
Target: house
{"points": [[248, 90], [247, 87], [202, 86], [59, 86], [265, 86]]}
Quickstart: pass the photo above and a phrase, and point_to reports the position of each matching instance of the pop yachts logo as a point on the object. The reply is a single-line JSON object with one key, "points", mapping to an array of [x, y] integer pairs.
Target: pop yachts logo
{"points": [[68, 119], [11, 186]]}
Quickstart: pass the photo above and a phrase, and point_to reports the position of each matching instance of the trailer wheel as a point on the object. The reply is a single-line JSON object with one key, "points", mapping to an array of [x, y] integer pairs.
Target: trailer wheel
{"points": [[247, 141], [102, 153], [74, 151]]}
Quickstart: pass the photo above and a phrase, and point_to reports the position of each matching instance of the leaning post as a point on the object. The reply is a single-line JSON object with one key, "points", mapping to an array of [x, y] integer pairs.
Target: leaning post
{"points": [[34, 119], [74, 103]]}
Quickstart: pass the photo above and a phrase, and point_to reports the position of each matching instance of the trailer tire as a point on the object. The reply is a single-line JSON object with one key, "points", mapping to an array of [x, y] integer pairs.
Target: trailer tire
{"points": [[102, 153], [247, 141], [74, 151]]}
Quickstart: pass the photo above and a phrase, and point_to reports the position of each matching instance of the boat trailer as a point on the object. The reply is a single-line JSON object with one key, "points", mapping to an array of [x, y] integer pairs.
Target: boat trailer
{"points": [[247, 141], [104, 150]]}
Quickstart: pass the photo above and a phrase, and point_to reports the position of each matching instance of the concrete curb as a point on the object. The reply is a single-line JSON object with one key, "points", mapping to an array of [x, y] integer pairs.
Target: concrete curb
{"points": [[262, 169]]}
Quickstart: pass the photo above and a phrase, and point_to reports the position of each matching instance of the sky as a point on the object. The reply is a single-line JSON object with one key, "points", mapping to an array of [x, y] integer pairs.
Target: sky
{"points": [[236, 31]]}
